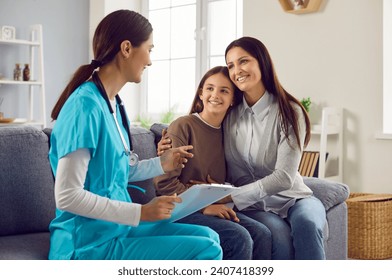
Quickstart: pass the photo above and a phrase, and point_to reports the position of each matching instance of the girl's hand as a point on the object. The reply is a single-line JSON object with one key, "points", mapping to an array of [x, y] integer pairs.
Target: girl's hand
{"points": [[159, 208], [175, 158], [221, 211], [164, 144]]}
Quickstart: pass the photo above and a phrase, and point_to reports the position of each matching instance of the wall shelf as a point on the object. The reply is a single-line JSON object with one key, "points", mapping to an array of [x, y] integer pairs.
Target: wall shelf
{"points": [[331, 124], [35, 50], [310, 6]]}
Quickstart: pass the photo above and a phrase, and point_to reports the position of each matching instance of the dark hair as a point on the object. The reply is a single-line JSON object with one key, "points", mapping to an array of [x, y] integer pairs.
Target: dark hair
{"points": [[288, 115], [197, 104], [114, 28]]}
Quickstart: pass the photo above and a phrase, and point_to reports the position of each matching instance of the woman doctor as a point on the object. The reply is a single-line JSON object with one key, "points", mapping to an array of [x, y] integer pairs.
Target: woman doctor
{"points": [[92, 158]]}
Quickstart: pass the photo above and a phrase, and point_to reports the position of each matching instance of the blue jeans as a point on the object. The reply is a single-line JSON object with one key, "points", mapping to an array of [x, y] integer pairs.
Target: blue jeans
{"points": [[300, 235], [246, 240]]}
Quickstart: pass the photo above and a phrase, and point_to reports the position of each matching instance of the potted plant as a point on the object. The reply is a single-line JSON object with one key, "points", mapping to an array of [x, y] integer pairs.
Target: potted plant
{"points": [[306, 102]]}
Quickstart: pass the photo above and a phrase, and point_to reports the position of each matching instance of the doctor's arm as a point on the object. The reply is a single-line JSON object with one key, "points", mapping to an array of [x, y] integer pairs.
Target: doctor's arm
{"points": [[169, 183], [173, 159], [71, 196]]}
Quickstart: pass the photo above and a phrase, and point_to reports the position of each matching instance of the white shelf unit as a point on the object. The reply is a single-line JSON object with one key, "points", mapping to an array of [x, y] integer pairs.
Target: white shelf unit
{"points": [[331, 124], [35, 46]]}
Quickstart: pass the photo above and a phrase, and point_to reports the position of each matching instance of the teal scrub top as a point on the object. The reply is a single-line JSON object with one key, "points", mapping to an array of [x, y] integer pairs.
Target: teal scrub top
{"points": [[85, 122]]}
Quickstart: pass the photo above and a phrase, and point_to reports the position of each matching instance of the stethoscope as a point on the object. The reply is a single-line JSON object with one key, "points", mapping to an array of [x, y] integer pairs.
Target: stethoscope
{"points": [[133, 157]]}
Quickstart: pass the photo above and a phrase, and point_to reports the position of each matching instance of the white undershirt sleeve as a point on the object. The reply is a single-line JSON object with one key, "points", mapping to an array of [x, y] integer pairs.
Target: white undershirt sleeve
{"points": [[71, 196]]}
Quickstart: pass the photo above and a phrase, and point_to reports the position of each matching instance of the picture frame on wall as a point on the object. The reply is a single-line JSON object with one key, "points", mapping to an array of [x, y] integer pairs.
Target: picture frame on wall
{"points": [[7, 32]]}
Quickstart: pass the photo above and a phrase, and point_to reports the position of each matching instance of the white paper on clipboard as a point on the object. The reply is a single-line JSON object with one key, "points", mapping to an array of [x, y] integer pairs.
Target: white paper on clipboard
{"points": [[198, 197]]}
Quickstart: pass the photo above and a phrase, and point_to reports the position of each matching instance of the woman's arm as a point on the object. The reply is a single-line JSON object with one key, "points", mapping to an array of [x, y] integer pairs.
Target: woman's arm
{"points": [[283, 171]]}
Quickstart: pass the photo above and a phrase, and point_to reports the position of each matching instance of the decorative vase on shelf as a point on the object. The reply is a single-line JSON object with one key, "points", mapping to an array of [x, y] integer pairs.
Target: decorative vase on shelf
{"points": [[26, 73], [17, 72], [298, 4]]}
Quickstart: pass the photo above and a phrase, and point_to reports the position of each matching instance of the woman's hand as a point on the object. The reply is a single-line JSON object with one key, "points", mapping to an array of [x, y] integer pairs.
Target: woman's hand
{"points": [[164, 144], [175, 158], [159, 208], [221, 211]]}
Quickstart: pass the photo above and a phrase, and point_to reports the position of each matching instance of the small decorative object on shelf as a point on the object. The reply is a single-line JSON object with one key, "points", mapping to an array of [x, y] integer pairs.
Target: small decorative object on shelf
{"points": [[298, 4], [7, 33], [26, 73], [17, 72]]}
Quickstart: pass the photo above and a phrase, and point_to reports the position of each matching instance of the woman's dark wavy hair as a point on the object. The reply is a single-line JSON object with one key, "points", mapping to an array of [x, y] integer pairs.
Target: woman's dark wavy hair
{"points": [[288, 115], [115, 28], [197, 104]]}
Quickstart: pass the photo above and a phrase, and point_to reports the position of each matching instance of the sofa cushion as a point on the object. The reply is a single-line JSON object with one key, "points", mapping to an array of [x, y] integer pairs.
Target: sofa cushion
{"points": [[26, 181], [330, 193], [33, 246]]}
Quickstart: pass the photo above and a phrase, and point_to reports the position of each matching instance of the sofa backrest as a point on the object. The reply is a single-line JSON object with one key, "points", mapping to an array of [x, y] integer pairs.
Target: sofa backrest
{"points": [[26, 181], [143, 141]]}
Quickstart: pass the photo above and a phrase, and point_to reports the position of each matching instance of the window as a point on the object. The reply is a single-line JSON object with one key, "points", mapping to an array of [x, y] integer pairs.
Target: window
{"points": [[190, 36]]}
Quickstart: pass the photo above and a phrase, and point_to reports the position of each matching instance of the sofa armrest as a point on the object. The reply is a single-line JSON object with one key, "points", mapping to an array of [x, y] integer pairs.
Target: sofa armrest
{"points": [[330, 193]]}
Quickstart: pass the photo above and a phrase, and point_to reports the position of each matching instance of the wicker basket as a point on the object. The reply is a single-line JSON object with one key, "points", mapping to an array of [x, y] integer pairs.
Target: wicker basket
{"points": [[369, 226]]}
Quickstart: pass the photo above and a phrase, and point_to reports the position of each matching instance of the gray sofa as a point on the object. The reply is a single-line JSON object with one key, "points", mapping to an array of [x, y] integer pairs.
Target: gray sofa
{"points": [[27, 203]]}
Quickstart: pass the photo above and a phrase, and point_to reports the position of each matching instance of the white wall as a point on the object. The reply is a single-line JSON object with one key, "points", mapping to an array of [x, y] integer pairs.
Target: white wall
{"points": [[65, 39], [130, 93], [335, 57]]}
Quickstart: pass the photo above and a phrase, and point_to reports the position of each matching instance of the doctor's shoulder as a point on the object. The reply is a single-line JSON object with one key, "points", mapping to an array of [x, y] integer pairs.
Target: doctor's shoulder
{"points": [[83, 100]]}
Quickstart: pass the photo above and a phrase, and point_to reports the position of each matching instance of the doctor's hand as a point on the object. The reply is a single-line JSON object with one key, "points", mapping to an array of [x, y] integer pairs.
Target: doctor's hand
{"points": [[164, 144], [221, 211], [159, 208], [175, 158]]}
